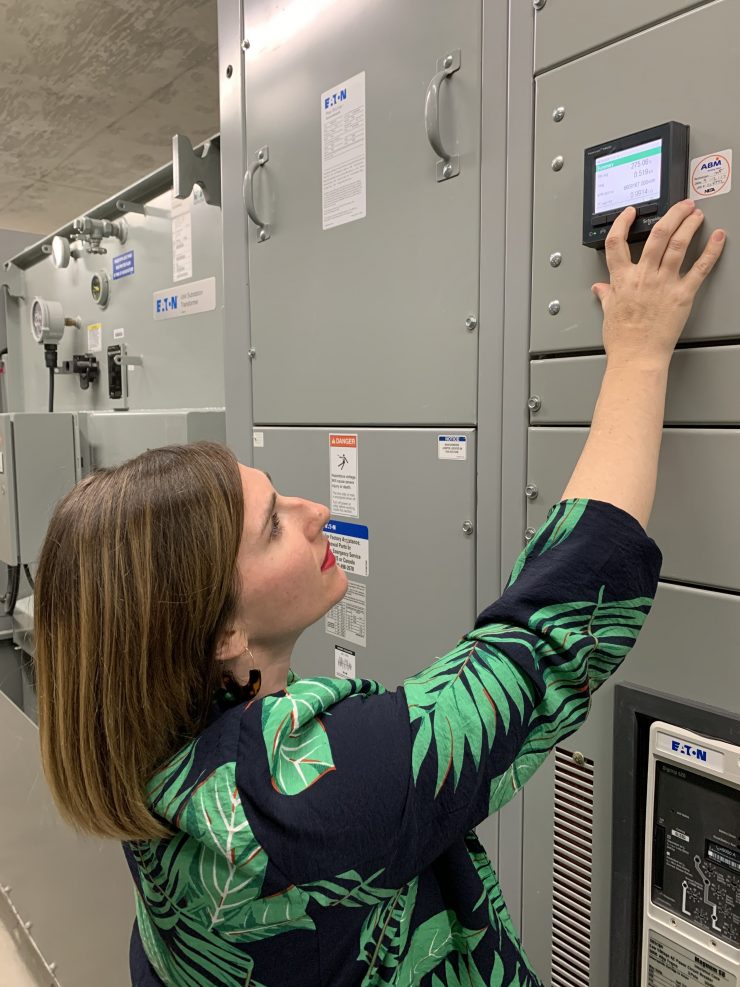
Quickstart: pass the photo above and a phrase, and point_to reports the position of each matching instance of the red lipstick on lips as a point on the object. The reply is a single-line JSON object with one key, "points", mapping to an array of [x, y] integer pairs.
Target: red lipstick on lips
{"points": [[329, 559]]}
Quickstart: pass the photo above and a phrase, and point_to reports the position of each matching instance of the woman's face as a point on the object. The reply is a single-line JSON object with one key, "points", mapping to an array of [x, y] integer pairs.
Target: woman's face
{"points": [[288, 579]]}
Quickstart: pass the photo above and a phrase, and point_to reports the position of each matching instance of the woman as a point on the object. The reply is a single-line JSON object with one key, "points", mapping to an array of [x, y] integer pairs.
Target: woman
{"points": [[315, 832]]}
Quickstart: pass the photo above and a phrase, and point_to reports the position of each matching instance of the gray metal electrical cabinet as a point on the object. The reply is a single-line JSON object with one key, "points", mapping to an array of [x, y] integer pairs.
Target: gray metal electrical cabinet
{"points": [[688, 648], [417, 511], [37, 468], [566, 30], [180, 343], [605, 96], [387, 303], [107, 438]]}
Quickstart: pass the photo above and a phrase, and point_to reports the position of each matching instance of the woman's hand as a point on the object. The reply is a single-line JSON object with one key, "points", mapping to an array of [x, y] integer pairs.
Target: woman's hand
{"points": [[647, 304]]}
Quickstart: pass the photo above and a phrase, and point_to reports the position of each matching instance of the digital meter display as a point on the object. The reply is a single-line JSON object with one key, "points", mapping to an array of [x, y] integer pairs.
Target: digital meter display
{"points": [[628, 177], [647, 170]]}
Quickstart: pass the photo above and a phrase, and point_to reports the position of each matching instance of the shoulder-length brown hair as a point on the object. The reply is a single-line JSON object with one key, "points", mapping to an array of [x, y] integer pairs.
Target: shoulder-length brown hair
{"points": [[136, 581]]}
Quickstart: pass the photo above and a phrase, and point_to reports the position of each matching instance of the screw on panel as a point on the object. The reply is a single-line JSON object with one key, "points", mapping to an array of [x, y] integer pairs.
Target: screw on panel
{"points": [[558, 114], [579, 759], [262, 236], [449, 59], [468, 527], [246, 45], [538, 4], [554, 307], [252, 354], [558, 162], [471, 323], [529, 534], [534, 403], [52, 967], [229, 71], [556, 259], [531, 491], [447, 170], [27, 925]]}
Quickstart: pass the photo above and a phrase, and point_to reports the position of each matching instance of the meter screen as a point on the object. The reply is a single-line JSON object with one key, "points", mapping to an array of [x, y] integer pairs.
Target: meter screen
{"points": [[627, 177]]}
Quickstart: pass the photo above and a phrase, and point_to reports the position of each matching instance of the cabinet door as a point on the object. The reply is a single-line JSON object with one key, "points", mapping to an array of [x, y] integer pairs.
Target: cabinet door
{"points": [[365, 320], [637, 83], [412, 592]]}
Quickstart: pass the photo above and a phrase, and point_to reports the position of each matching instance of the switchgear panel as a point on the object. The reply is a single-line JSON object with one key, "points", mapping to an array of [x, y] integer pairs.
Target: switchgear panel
{"points": [[691, 931], [647, 170]]}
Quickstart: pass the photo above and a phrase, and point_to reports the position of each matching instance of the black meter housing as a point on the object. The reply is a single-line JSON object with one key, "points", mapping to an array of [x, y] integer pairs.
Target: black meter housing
{"points": [[648, 170]]}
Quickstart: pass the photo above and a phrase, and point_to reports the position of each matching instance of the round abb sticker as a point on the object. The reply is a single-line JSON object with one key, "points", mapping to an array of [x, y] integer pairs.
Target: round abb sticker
{"points": [[711, 175]]}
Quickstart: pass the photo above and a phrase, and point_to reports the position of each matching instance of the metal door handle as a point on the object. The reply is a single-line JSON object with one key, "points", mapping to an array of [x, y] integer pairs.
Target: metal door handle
{"points": [[449, 166], [263, 156]]}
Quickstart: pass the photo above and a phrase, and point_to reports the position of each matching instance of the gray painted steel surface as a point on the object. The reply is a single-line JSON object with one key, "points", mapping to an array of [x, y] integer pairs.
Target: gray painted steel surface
{"points": [[689, 632], [568, 28], [109, 438], [182, 357], [695, 502], [75, 891], [368, 319], [421, 584], [598, 108], [702, 388]]}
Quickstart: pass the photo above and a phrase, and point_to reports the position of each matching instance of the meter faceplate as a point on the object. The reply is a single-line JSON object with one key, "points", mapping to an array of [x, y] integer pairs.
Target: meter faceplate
{"points": [[647, 169]]}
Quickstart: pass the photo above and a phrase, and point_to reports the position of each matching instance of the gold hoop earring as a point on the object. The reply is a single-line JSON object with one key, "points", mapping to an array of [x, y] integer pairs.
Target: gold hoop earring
{"points": [[233, 690]]}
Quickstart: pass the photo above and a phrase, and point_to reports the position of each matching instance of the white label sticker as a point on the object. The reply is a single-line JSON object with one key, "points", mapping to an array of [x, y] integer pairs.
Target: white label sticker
{"points": [[2, 462], [343, 467], [258, 440], [350, 544], [119, 333], [345, 663], [343, 153], [452, 447], [348, 619], [95, 338], [182, 247], [711, 175], [669, 965], [198, 296]]}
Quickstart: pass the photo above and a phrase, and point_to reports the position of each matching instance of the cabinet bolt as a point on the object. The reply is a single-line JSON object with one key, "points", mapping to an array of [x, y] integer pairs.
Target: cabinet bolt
{"points": [[558, 162], [468, 527], [579, 759], [534, 403], [558, 114], [529, 534], [531, 491], [471, 323]]}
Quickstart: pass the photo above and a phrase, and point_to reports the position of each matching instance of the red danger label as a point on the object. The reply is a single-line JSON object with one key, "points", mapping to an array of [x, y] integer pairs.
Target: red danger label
{"points": [[346, 441]]}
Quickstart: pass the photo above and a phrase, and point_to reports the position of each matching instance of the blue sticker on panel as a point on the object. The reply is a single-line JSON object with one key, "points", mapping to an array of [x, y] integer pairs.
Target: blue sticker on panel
{"points": [[123, 265]]}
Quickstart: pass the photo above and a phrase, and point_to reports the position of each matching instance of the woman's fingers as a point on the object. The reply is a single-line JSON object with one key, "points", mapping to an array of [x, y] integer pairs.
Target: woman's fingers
{"points": [[617, 251], [675, 251], [661, 233], [710, 255]]}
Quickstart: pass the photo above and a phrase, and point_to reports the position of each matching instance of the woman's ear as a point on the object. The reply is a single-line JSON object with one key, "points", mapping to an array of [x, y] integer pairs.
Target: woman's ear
{"points": [[227, 646]]}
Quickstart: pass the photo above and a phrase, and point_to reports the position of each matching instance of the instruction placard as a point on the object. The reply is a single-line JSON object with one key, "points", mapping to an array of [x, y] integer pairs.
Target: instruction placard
{"points": [[198, 296], [258, 439], [182, 247], [711, 175], [452, 447], [345, 663], [350, 544], [343, 153], [123, 265], [343, 475], [348, 619], [670, 965]]}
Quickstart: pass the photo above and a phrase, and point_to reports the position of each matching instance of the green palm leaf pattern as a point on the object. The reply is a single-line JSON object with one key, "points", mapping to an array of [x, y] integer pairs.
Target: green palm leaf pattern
{"points": [[297, 745], [353, 893], [552, 533], [431, 943], [468, 975], [385, 932]]}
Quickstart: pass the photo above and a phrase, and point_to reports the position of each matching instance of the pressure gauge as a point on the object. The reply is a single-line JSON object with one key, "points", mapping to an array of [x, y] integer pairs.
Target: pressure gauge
{"points": [[47, 321], [100, 288], [60, 251]]}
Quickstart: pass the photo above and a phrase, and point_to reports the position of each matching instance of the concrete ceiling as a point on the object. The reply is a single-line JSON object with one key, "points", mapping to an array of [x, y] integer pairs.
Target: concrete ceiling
{"points": [[91, 92]]}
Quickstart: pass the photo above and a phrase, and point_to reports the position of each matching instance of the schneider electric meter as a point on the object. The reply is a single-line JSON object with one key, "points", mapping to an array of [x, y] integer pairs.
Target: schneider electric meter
{"points": [[647, 170]]}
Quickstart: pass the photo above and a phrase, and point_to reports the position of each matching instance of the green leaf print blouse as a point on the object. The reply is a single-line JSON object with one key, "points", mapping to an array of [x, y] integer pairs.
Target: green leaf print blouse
{"points": [[324, 835]]}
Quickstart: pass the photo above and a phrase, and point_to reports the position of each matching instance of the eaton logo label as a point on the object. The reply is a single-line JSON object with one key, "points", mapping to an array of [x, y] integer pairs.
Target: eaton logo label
{"points": [[686, 750], [344, 528], [165, 304], [708, 165], [333, 98]]}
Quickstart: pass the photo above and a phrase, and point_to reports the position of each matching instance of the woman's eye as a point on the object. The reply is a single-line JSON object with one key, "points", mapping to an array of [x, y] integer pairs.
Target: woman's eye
{"points": [[275, 526]]}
